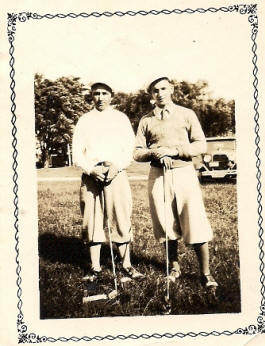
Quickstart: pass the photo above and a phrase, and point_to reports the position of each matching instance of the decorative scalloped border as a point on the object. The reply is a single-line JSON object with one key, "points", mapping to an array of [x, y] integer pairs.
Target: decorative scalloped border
{"points": [[251, 11]]}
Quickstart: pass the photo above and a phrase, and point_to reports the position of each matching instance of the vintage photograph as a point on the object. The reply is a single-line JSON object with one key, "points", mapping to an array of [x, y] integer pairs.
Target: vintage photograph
{"points": [[136, 165]]}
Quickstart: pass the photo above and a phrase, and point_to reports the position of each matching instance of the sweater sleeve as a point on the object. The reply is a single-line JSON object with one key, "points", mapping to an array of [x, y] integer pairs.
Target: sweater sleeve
{"points": [[141, 152], [127, 142], [197, 142], [79, 148]]}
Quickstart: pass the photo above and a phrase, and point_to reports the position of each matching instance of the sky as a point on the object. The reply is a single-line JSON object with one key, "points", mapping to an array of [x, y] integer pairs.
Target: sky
{"points": [[129, 52]]}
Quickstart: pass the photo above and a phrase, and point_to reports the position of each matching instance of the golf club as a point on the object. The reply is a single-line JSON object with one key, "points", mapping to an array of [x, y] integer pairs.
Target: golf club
{"points": [[111, 247], [165, 218]]}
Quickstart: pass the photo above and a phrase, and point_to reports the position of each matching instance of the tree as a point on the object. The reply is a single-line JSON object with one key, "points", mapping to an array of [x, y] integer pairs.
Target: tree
{"points": [[217, 116], [133, 105], [58, 106]]}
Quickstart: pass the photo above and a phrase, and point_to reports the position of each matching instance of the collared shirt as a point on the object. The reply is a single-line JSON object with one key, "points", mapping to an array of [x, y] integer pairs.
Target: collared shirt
{"points": [[180, 130], [164, 113], [103, 136]]}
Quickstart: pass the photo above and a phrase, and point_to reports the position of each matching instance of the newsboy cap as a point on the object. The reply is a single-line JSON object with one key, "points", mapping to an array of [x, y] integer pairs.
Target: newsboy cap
{"points": [[150, 87], [100, 85]]}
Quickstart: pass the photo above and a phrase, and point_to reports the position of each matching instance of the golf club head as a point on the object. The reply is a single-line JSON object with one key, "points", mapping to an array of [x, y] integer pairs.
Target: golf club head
{"points": [[94, 298], [113, 294], [125, 279]]}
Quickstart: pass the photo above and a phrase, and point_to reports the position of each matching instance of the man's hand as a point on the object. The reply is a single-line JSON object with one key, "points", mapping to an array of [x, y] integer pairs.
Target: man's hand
{"points": [[161, 152], [166, 162], [112, 173], [158, 153], [99, 173]]}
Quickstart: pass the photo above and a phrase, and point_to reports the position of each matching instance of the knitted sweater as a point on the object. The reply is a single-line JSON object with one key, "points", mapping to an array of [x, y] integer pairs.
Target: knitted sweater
{"points": [[179, 130], [103, 136]]}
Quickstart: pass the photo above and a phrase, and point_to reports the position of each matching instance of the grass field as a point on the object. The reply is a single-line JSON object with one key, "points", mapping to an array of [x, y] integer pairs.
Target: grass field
{"points": [[63, 257]]}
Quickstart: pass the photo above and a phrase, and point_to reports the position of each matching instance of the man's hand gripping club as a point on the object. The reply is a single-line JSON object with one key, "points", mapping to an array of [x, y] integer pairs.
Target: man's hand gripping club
{"points": [[104, 173], [164, 154]]}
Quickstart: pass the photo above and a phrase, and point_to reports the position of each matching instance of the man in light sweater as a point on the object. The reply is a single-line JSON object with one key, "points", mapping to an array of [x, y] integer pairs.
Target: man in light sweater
{"points": [[103, 143], [169, 137]]}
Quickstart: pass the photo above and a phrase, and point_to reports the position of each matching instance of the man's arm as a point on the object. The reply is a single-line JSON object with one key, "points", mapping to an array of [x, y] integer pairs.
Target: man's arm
{"points": [[80, 157], [126, 138], [127, 143], [141, 152], [197, 144]]}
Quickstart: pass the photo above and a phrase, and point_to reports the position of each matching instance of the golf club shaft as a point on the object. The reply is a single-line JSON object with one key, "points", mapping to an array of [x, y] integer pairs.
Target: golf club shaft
{"points": [[166, 231], [110, 240]]}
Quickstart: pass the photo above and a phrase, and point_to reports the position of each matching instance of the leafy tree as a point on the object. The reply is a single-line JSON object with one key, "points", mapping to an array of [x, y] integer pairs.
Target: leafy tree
{"points": [[133, 105], [217, 116], [58, 105]]}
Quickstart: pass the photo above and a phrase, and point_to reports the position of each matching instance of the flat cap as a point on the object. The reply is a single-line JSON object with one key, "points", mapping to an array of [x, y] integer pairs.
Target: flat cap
{"points": [[150, 87], [100, 85]]}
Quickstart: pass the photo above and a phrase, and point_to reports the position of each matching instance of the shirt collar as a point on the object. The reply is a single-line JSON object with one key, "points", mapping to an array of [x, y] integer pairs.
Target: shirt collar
{"points": [[167, 110], [105, 111]]}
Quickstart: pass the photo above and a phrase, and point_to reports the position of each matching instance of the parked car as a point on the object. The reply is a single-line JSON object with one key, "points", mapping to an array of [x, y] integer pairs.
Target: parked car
{"points": [[58, 160], [219, 161]]}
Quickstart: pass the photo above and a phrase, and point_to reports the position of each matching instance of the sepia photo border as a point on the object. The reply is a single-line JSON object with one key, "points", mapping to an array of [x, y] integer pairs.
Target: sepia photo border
{"points": [[24, 334]]}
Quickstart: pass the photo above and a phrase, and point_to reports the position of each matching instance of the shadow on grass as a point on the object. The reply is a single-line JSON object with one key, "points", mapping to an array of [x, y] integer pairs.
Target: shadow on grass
{"points": [[71, 250], [139, 259]]}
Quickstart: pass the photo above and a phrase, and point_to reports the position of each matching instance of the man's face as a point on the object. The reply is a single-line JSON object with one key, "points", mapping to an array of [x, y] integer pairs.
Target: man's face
{"points": [[162, 92], [101, 98]]}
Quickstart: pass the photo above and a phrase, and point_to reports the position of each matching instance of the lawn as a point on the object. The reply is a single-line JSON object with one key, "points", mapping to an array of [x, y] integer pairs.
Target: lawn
{"points": [[63, 257]]}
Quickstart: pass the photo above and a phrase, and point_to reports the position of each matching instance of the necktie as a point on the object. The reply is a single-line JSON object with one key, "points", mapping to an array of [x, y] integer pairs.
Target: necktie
{"points": [[163, 114]]}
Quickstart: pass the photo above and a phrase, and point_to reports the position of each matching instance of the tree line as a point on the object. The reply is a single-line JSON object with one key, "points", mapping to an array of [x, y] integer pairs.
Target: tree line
{"points": [[60, 103]]}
